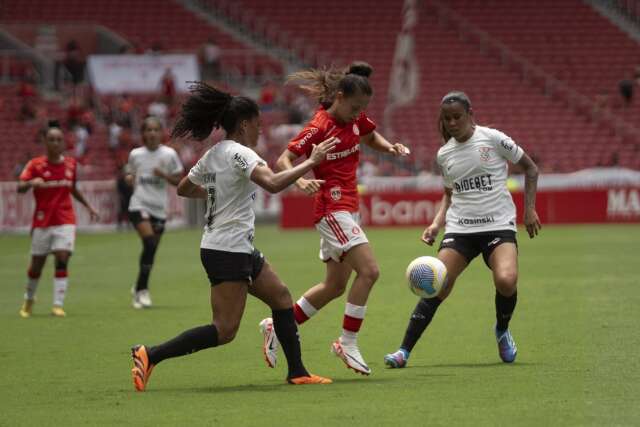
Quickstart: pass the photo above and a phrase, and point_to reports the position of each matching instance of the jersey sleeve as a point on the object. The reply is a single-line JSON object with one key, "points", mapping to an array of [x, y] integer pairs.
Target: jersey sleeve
{"points": [[28, 173], [506, 147], [197, 172], [175, 165], [303, 142], [131, 163], [365, 124], [244, 160], [446, 178]]}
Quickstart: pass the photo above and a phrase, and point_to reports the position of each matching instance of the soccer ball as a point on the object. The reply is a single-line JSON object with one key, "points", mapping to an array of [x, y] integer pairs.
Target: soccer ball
{"points": [[426, 276]]}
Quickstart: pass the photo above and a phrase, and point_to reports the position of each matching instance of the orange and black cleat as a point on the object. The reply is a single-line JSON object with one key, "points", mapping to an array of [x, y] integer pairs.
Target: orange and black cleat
{"points": [[142, 368], [310, 379]]}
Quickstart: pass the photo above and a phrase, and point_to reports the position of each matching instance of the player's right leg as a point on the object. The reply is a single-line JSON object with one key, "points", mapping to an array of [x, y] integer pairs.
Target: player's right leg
{"points": [[227, 303], [281, 328], [424, 311], [33, 277], [40, 247], [142, 223]]}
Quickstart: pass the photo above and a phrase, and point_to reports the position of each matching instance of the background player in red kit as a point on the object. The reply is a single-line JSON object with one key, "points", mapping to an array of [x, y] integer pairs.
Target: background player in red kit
{"points": [[53, 179], [343, 95]]}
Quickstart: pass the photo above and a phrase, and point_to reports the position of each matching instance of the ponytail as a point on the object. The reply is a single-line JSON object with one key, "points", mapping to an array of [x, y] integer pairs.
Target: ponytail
{"points": [[209, 108], [323, 84]]}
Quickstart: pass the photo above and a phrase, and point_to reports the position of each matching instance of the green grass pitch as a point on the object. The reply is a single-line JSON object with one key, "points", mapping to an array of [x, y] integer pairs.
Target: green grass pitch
{"points": [[576, 326]]}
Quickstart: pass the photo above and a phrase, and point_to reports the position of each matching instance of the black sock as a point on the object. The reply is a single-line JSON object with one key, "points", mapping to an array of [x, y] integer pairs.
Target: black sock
{"points": [[143, 277], [149, 248], [287, 332], [188, 342], [504, 310], [420, 319]]}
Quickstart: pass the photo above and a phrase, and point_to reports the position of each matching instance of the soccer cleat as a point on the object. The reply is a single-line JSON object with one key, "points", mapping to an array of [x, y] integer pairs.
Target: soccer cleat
{"points": [[144, 297], [27, 308], [506, 346], [311, 379], [397, 359], [58, 311], [270, 344], [142, 368], [350, 355]]}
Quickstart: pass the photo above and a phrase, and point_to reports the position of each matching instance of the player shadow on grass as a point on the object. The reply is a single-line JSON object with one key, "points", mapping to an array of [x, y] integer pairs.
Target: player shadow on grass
{"points": [[266, 388]]}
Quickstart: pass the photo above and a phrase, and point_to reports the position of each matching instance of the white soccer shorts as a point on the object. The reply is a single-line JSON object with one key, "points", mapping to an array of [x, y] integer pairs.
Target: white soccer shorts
{"points": [[56, 238], [339, 232]]}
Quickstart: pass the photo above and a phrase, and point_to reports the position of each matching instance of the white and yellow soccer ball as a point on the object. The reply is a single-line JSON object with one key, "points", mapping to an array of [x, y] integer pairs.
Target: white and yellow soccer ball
{"points": [[426, 276]]}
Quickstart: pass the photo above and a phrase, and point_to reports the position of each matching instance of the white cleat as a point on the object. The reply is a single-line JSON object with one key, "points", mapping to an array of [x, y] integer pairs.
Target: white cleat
{"points": [[141, 299], [271, 343], [350, 355]]}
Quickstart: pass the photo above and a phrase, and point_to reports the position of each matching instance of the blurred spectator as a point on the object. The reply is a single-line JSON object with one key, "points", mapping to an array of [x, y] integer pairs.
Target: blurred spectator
{"points": [[159, 110], [601, 102], [123, 111], [156, 48], [210, 55], [81, 144], [19, 167], [115, 130], [168, 86], [268, 96], [28, 96], [124, 195], [73, 62], [626, 90]]}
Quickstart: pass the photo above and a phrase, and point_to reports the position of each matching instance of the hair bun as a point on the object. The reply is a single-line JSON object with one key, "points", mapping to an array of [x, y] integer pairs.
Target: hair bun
{"points": [[360, 68], [53, 124]]}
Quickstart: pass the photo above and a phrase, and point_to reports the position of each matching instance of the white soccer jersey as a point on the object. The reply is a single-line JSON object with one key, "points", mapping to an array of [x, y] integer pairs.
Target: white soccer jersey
{"points": [[224, 171], [476, 173], [150, 191]]}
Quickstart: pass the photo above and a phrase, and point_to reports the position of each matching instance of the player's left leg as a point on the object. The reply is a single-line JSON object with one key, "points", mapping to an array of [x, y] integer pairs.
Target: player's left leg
{"points": [[362, 260], [268, 287], [60, 282], [150, 238], [503, 261]]}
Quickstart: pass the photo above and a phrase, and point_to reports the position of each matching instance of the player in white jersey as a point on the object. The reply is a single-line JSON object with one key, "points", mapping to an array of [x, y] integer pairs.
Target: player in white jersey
{"points": [[150, 168], [479, 218], [227, 176]]}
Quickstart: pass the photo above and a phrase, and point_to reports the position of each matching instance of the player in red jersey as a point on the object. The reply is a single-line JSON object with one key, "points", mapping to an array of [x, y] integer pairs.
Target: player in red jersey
{"points": [[344, 95], [53, 179]]}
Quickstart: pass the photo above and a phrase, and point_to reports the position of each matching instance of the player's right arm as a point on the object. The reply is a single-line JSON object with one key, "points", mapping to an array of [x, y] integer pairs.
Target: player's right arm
{"points": [[298, 146], [28, 179], [275, 182], [431, 232]]}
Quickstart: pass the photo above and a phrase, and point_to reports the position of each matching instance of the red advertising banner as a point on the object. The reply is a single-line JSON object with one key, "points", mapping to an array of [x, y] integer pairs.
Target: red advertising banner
{"points": [[613, 205]]}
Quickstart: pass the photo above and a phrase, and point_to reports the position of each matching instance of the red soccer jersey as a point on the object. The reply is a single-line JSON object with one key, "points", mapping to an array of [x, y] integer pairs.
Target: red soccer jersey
{"points": [[340, 191], [53, 199]]}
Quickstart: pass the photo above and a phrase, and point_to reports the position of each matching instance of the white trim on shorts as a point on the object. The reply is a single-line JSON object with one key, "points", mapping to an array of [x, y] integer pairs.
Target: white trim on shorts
{"points": [[45, 240], [339, 232]]}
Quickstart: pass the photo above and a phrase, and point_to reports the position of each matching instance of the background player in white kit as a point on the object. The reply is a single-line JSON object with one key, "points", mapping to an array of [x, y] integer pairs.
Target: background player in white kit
{"points": [[479, 218], [227, 176], [150, 168]]}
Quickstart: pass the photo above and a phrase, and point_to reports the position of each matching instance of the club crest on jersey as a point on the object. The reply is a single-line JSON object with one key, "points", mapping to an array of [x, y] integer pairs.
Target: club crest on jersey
{"points": [[356, 129], [485, 153], [336, 193], [68, 173], [46, 174]]}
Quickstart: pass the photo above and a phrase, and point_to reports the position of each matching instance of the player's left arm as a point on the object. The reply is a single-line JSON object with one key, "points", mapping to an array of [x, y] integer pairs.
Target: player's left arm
{"points": [[380, 143], [531, 220], [79, 197]]}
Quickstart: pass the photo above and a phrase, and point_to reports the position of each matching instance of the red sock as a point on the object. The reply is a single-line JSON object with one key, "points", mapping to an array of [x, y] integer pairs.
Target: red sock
{"points": [[299, 314]]}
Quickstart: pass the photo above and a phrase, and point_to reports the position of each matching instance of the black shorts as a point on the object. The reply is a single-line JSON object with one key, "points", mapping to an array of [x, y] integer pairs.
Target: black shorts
{"points": [[472, 244], [222, 266], [157, 224]]}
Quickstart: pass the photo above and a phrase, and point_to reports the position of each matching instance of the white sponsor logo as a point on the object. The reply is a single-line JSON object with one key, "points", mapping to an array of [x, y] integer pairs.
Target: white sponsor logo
{"points": [[448, 240], [343, 154], [307, 137], [623, 203], [384, 212], [356, 130]]}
